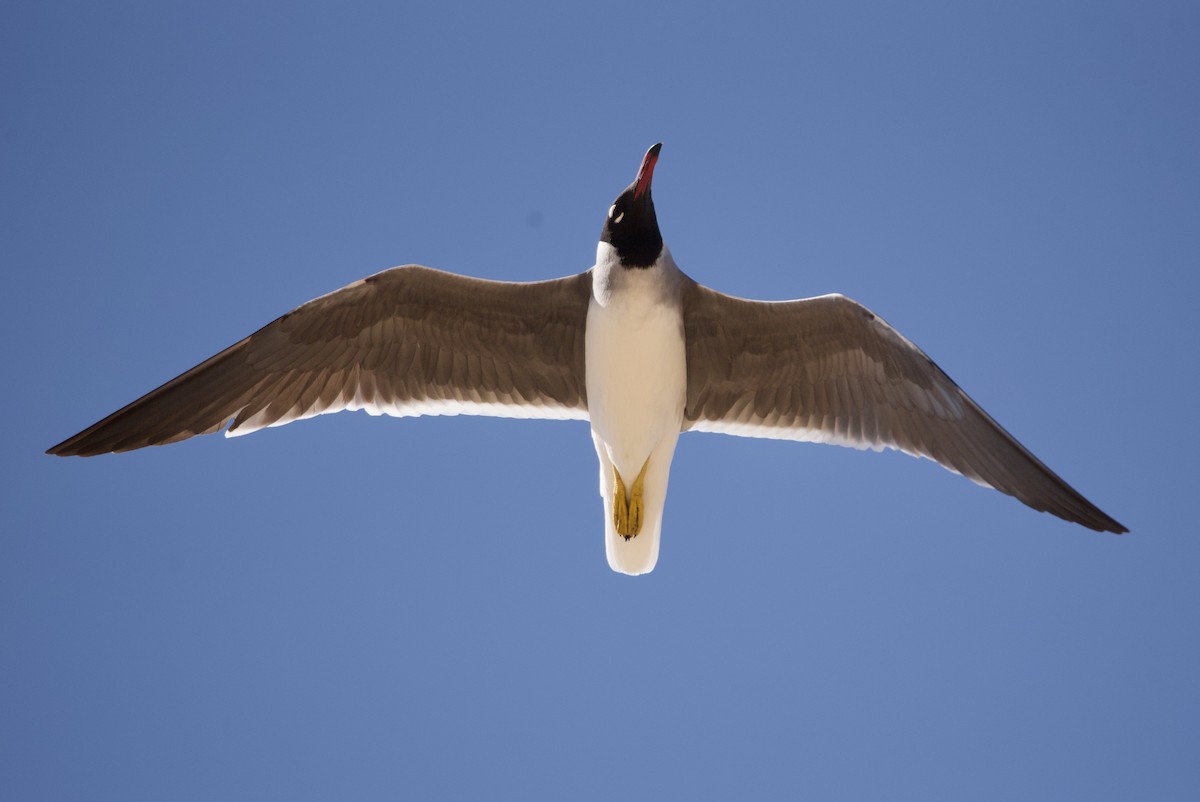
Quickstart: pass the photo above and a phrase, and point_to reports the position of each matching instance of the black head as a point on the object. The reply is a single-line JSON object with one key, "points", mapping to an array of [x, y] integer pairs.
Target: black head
{"points": [[631, 227]]}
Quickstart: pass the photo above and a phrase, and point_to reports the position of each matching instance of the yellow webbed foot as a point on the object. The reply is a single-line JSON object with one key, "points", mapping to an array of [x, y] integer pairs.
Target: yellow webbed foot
{"points": [[636, 505], [628, 508], [620, 506]]}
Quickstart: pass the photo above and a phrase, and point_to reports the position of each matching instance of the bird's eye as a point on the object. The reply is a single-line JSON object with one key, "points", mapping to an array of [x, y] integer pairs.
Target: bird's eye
{"points": [[613, 210]]}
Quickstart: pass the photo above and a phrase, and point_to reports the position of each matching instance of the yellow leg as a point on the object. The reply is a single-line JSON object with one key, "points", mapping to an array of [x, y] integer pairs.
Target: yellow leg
{"points": [[635, 501], [620, 506], [627, 508]]}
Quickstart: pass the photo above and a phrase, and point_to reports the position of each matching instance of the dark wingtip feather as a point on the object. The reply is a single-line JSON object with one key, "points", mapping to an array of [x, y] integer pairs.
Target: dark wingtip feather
{"points": [[1113, 526]]}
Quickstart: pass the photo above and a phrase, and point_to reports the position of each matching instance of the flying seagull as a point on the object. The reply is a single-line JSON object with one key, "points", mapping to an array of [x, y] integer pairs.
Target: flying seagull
{"points": [[632, 345]]}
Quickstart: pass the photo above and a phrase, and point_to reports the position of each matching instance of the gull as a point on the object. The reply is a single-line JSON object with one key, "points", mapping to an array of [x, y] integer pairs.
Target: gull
{"points": [[632, 345]]}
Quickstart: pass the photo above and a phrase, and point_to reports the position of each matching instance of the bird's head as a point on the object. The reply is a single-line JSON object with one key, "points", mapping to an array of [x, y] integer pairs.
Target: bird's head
{"points": [[631, 227]]}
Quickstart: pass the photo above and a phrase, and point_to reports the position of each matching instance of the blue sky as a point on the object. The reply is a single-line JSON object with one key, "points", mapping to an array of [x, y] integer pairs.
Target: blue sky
{"points": [[376, 608]]}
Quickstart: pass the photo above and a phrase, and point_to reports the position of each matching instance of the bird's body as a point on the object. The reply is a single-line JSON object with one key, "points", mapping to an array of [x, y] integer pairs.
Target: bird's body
{"points": [[633, 345], [636, 385]]}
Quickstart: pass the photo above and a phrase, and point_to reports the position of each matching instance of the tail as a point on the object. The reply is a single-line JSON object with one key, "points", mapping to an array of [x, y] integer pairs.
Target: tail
{"points": [[639, 554]]}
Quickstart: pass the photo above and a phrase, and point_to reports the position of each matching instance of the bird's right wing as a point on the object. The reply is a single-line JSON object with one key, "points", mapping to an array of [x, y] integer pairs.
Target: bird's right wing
{"points": [[828, 370], [407, 341]]}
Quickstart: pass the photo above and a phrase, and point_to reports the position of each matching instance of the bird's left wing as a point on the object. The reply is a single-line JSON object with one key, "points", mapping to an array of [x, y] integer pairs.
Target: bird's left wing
{"points": [[407, 341], [828, 370]]}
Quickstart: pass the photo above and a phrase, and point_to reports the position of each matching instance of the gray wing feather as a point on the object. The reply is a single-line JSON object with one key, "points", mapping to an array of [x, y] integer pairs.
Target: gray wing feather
{"points": [[407, 341], [828, 370]]}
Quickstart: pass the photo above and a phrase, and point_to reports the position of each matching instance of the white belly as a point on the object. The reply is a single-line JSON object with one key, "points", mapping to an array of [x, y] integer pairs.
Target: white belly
{"points": [[636, 377]]}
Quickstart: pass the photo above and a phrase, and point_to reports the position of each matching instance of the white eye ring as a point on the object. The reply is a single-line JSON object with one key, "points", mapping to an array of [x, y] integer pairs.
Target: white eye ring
{"points": [[611, 209], [617, 219]]}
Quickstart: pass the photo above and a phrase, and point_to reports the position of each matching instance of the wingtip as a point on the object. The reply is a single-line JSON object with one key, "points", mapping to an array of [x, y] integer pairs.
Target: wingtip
{"points": [[81, 446], [1110, 524], [62, 450], [1104, 523]]}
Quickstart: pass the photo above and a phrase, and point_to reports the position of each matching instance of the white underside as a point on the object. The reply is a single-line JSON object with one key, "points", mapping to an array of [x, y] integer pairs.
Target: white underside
{"points": [[511, 407], [636, 385]]}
